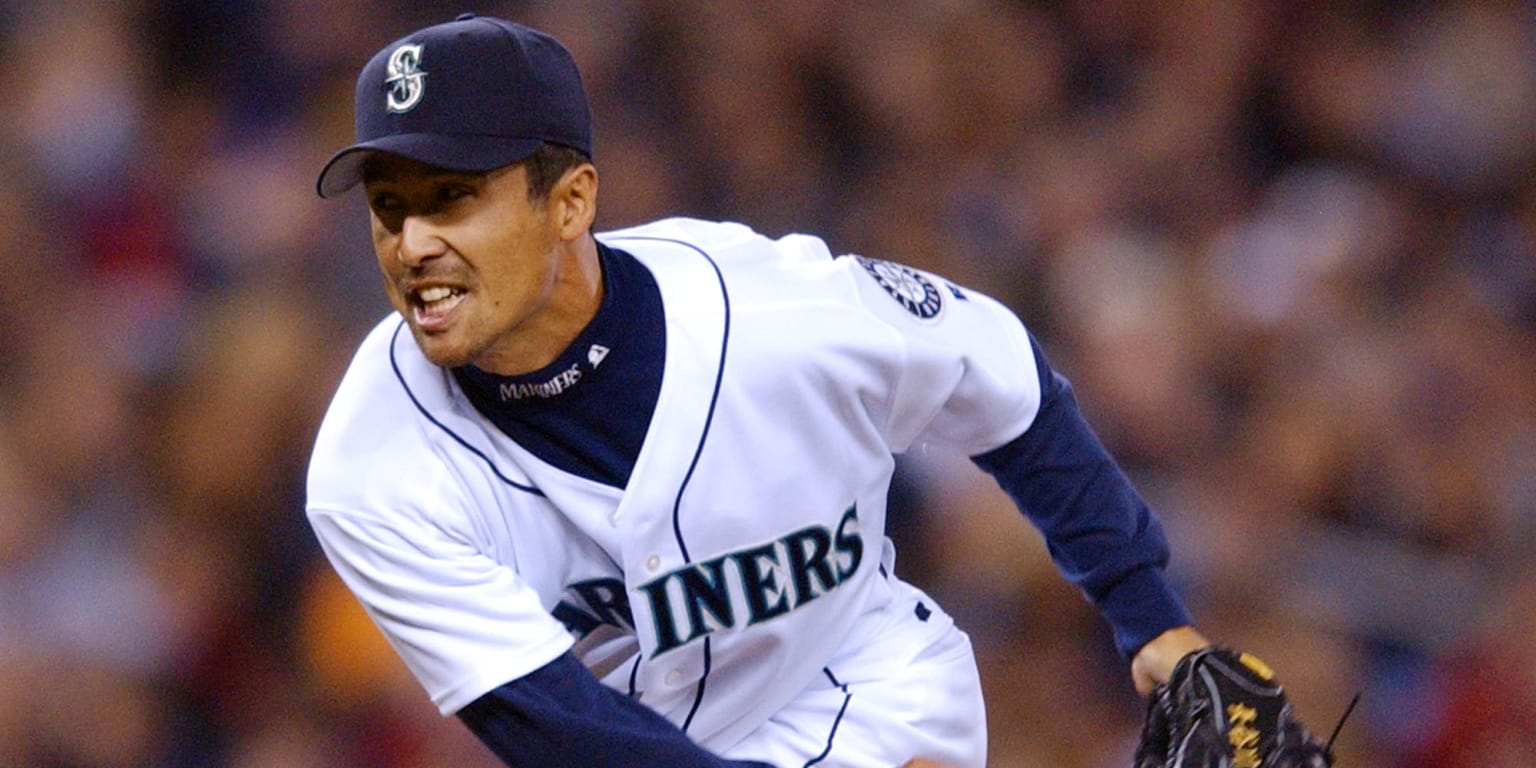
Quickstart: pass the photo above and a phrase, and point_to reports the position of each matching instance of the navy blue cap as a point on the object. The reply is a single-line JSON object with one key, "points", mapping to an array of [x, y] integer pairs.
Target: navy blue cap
{"points": [[473, 94]]}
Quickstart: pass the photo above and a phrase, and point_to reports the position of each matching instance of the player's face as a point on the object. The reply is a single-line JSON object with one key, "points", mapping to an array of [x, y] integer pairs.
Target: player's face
{"points": [[478, 269]]}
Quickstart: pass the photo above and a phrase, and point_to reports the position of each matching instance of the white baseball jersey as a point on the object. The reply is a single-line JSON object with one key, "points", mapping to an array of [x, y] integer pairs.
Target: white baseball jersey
{"points": [[742, 579]]}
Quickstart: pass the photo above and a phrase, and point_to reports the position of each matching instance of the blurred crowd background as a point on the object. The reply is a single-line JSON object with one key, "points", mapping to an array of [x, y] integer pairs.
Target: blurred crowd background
{"points": [[1285, 251]]}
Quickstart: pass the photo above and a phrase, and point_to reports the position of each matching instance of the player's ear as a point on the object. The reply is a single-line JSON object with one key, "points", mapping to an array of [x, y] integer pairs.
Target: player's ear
{"points": [[573, 201]]}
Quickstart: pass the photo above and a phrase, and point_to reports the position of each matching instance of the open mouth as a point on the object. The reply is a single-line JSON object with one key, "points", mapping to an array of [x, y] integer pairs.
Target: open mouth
{"points": [[433, 305]]}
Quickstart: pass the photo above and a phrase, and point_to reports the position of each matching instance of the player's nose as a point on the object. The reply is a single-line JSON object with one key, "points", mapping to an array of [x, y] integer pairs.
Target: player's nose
{"points": [[419, 241]]}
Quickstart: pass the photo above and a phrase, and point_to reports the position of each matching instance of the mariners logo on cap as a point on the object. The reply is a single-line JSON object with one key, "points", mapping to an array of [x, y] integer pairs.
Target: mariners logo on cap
{"points": [[908, 287], [406, 81]]}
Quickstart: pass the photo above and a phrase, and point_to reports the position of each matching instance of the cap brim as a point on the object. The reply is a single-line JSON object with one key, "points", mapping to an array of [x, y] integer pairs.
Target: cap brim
{"points": [[474, 154]]}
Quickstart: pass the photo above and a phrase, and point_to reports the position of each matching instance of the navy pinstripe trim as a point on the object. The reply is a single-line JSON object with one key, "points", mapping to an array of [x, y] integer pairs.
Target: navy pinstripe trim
{"points": [[393, 363], [698, 693], [832, 734], [634, 672], [709, 418]]}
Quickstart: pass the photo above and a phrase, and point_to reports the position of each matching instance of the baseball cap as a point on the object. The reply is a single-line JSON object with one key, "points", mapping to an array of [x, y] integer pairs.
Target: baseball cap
{"points": [[473, 94]]}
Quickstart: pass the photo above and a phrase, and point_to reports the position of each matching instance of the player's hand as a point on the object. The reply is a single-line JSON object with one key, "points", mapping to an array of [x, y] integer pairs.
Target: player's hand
{"points": [[1154, 663], [1225, 707], [918, 762]]}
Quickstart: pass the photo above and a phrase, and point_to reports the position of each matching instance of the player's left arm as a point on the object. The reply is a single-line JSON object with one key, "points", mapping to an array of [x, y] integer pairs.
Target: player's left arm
{"points": [[973, 378], [1102, 536]]}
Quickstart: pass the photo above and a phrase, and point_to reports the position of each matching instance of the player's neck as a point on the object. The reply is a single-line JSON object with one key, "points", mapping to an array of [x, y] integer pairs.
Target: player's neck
{"points": [[573, 302]]}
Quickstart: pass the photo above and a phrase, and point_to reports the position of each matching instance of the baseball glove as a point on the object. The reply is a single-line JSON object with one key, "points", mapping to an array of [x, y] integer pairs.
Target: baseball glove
{"points": [[1224, 709]]}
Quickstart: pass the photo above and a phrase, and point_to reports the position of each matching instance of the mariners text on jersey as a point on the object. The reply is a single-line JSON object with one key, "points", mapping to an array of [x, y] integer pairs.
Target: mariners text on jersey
{"points": [[559, 383], [770, 579], [737, 589]]}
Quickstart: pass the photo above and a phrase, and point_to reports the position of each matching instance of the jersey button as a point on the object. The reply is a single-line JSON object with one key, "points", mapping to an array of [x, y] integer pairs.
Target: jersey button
{"points": [[674, 676], [653, 562]]}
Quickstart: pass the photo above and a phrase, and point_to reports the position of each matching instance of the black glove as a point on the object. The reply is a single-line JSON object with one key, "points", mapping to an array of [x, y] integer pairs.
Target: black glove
{"points": [[1224, 709]]}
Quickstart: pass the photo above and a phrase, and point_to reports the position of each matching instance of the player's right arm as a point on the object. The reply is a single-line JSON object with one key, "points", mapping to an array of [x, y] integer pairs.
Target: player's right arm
{"points": [[560, 714], [443, 605], [399, 507]]}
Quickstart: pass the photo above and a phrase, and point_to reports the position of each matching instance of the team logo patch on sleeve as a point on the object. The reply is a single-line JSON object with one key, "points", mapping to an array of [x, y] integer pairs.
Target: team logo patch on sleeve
{"points": [[907, 286]]}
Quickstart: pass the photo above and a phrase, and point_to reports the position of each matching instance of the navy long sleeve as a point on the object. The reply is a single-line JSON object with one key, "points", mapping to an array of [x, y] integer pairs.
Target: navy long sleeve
{"points": [[1100, 533], [560, 715]]}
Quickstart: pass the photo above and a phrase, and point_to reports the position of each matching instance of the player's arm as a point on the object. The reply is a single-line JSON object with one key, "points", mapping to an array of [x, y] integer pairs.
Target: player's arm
{"points": [[560, 714], [1102, 536], [972, 377], [465, 624]]}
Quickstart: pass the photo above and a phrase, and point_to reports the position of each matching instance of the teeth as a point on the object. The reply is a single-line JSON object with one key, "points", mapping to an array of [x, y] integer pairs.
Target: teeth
{"points": [[435, 293]]}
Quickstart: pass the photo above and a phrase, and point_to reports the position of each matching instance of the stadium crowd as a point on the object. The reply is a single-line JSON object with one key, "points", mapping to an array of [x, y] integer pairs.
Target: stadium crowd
{"points": [[1285, 251]]}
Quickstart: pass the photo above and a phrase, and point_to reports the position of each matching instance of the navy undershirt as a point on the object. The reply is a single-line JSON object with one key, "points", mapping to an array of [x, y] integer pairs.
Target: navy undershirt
{"points": [[587, 412]]}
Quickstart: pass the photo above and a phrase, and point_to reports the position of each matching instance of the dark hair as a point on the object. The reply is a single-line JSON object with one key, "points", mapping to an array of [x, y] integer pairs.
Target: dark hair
{"points": [[547, 164], [544, 167]]}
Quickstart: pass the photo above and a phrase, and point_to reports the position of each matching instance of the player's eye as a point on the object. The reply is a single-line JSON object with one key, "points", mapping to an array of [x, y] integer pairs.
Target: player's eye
{"points": [[448, 193], [384, 202], [388, 210]]}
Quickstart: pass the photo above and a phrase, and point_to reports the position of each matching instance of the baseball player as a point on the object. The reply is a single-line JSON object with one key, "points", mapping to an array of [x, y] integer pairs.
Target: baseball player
{"points": [[619, 499]]}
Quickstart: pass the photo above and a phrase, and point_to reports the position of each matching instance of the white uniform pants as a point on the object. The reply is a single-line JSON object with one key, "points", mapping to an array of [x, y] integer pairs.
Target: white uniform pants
{"points": [[904, 686]]}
